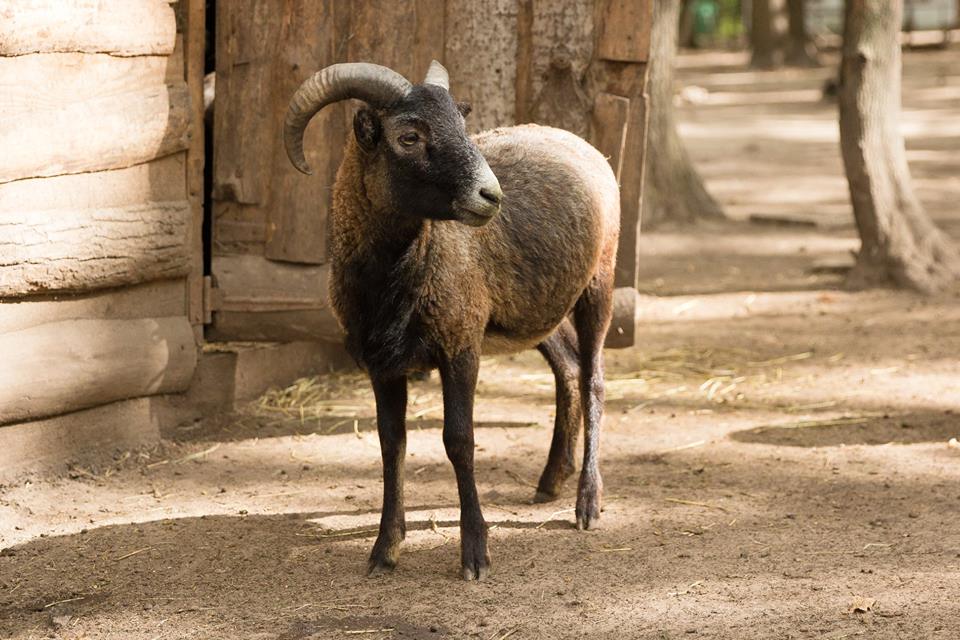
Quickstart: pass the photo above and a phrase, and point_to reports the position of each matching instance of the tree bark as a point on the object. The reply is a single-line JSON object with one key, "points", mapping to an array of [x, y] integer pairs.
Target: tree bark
{"points": [[900, 244], [800, 50], [762, 38], [674, 190]]}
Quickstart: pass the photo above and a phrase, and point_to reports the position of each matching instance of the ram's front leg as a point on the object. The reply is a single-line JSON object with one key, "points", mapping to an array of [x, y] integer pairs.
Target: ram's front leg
{"points": [[391, 396], [459, 379]]}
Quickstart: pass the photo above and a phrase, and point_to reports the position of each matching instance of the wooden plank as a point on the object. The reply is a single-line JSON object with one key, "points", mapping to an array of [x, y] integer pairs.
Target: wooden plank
{"points": [[83, 249], [235, 236], [92, 435], [429, 38], [157, 181], [117, 27], [609, 128], [481, 49], [383, 32], [623, 28], [75, 364], [194, 51], [560, 30], [259, 299], [164, 298], [622, 333], [275, 326], [296, 217], [632, 174], [523, 82], [69, 113], [263, 367], [245, 127], [252, 283], [625, 34]]}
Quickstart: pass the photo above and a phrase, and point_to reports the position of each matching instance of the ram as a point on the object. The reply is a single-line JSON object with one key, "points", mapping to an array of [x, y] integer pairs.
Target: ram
{"points": [[446, 247]]}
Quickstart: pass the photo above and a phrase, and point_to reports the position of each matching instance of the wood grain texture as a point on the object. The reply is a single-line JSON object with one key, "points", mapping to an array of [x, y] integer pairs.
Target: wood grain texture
{"points": [[245, 128], [117, 27], [625, 34], [93, 230], [618, 23], [259, 299], [70, 113], [83, 249], [523, 78], [560, 29], [313, 34], [194, 54], [609, 128], [161, 180], [64, 366], [481, 49], [47, 446], [252, 283], [158, 299]]}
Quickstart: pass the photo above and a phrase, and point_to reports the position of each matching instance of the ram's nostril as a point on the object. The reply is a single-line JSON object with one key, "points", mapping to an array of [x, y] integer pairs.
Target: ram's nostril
{"points": [[493, 196]]}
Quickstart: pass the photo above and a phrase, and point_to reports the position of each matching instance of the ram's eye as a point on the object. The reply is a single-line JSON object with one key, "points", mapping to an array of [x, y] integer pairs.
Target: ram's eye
{"points": [[409, 139]]}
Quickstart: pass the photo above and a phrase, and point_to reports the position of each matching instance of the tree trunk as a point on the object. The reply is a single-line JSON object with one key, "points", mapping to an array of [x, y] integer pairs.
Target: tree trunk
{"points": [[674, 190], [762, 38], [900, 245], [800, 50], [687, 20]]}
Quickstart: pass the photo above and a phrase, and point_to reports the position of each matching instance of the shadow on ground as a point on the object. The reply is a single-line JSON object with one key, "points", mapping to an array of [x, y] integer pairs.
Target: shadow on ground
{"points": [[683, 535], [907, 428]]}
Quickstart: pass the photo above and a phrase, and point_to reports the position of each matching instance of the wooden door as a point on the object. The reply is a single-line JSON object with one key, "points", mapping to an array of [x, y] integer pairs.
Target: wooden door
{"points": [[270, 222]]}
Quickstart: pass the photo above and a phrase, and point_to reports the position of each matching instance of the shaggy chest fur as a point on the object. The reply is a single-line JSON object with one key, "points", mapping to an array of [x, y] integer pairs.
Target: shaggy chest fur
{"points": [[395, 300], [379, 307]]}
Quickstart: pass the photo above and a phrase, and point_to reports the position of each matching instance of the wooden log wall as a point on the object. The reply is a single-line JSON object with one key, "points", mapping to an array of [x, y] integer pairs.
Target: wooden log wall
{"points": [[99, 235]]}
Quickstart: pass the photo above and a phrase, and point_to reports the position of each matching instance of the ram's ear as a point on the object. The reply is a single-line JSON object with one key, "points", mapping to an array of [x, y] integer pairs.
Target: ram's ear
{"points": [[367, 129]]}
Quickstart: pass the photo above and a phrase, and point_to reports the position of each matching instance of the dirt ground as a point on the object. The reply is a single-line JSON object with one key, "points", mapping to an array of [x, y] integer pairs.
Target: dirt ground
{"points": [[775, 454]]}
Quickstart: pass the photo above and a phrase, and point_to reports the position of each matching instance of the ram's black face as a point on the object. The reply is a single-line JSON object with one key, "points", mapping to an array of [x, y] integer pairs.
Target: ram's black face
{"points": [[433, 169]]}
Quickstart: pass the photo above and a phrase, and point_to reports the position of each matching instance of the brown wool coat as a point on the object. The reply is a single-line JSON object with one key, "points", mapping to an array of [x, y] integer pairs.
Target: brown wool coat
{"points": [[502, 287]]}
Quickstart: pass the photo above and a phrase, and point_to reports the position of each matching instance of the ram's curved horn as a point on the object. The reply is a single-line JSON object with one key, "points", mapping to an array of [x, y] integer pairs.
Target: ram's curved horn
{"points": [[372, 83], [437, 75]]}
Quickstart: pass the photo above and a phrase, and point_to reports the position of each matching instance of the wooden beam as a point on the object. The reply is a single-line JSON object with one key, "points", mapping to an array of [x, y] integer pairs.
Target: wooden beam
{"points": [[523, 82], [65, 366], [164, 298], [625, 33], [157, 181], [428, 43], [33, 207], [194, 52], [609, 128], [92, 435], [620, 122], [299, 206], [245, 129], [275, 326], [117, 27], [70, 113], [259, 299], [481, 49], [83, 249]]}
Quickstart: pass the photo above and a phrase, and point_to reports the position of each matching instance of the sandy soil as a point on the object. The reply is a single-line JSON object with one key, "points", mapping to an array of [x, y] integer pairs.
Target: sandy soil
{"points": [[775, 453]]}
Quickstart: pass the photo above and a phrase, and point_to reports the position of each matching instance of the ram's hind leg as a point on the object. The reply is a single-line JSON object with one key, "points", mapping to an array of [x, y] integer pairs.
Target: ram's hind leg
{"points": [[562, 353], [592, 319]]}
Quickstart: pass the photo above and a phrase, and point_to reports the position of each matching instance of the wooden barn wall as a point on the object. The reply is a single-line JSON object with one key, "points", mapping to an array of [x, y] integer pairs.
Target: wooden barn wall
{"points": [[99, 232], [556, 62]]}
